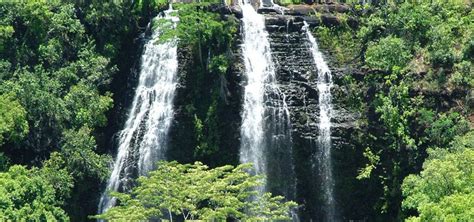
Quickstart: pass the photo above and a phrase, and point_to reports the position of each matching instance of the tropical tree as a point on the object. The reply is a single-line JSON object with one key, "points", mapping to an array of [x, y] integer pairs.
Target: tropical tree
{"points": [[35, 194], [194, 191], [443, 191], [13, 125]]}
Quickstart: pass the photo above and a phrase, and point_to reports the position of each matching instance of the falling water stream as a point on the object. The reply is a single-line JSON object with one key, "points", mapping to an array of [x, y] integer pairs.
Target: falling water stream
{"points": [[324, 84], [143, 140], [259, 72], [265, 129]]}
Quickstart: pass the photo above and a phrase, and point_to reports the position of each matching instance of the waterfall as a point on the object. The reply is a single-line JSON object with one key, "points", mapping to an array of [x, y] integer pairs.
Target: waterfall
{"points": [[265, 131], [260, 75], [324, 84], [259, 72], [143, 140]]}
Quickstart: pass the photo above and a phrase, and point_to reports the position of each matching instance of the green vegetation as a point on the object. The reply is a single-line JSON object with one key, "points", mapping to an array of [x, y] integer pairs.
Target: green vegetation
{"points": [[57, 62], [340, 41], [196, 192], [35, 194], [58, 65], [444, 189], [13, 124], [288, 2], [387, 54], [65, 71], [208, 38], [418, 74]]}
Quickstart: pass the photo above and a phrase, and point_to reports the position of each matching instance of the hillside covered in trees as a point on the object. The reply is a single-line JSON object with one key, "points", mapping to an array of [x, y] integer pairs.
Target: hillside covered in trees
{"points": [[237, 111]]}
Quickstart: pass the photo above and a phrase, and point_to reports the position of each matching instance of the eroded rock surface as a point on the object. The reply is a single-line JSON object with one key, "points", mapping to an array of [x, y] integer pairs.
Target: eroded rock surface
{"points": [[297, 78]]}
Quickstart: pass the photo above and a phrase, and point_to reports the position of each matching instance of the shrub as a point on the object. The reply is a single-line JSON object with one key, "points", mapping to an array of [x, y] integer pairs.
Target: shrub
{"points": [[387, 53]]}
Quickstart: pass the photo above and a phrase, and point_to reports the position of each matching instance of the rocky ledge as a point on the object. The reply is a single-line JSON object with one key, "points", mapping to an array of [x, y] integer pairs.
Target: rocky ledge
{"points": [[314, 15]]}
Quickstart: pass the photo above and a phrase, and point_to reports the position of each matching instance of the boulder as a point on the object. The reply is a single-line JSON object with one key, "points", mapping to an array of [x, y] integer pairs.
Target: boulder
{"points": [[300, 10], [283, 23], [237, 11], [330, 20], [312, 21], [269, 10]]}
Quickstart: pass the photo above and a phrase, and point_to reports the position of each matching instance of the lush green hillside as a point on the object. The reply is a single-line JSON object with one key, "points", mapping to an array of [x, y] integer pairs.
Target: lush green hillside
{"points": [[68, 70]]}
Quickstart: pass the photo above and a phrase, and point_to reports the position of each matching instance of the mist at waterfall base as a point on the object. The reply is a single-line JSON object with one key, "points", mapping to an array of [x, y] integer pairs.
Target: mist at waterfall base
{"points": [[143, 141]]}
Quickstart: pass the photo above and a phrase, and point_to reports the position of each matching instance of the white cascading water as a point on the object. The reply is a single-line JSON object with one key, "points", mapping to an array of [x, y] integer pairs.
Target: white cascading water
{"points": [[260, 75], [149, 120], [324, 140], [266, 129]]}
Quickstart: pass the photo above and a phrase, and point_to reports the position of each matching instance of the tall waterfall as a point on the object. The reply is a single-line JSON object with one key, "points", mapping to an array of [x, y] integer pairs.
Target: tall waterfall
{"points": [[324, 83], [259, 71], [263, 104], [143, 140]]}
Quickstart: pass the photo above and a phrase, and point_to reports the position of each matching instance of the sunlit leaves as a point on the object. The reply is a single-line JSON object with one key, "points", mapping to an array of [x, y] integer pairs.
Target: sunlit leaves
{"points": [[395, 109], [78, 149], [54, 71], [193, 191], [6, 31], [387, 53], [199, 26], [13, 124], [443, 190], [371, 165], [29, 195], [87, 105]]}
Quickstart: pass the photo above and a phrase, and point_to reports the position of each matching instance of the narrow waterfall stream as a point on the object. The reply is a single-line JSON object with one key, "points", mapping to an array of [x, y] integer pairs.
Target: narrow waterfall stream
{"points": [[143, 140], [324, 84]]}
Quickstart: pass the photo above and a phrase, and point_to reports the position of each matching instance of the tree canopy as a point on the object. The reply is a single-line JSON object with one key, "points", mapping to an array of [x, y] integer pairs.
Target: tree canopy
{"points": [[57, 60], [196, 192], [443, 191], [35, 194]]}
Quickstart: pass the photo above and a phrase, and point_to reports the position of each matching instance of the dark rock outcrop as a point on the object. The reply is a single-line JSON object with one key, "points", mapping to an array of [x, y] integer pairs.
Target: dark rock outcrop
{"points": [[330, 20]]}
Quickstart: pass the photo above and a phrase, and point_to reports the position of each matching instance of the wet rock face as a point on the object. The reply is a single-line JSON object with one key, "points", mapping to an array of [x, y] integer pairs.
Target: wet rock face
{"points": [[284, 23], [297, 78], [182, 138]]}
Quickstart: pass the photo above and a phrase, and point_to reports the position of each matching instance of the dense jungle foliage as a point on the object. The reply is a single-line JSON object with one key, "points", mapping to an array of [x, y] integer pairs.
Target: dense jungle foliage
{"points": [[416, 101], [58, 62], [64, 89]]}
